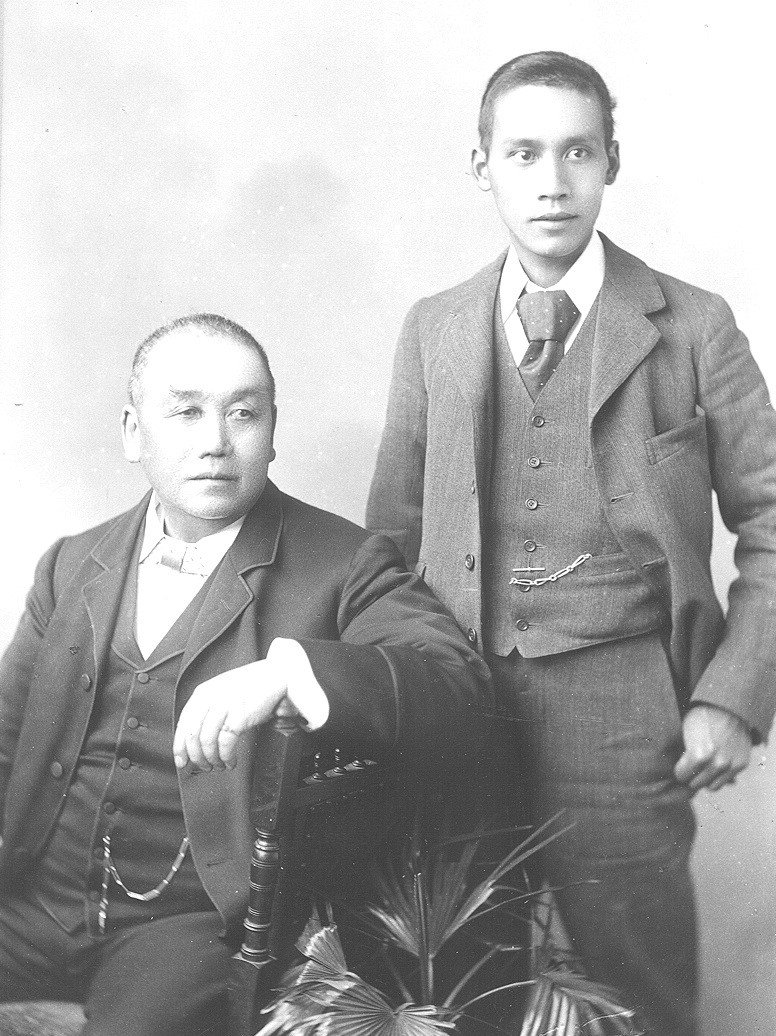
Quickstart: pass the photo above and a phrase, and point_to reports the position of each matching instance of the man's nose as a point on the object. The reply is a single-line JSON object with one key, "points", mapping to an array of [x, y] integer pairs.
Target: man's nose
{"points": [[213, 436], [553, 182]]}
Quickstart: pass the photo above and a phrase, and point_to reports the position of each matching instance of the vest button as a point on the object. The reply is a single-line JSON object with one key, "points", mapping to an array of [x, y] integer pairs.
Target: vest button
{"points": [[469, 561], [143, 677], [531, 504], [471, 635], [534, 462], [109, 808], [537, 421], [133, 722], [522, 625], [86, 681], [523, 588], [530, 546], [56, 770], [474, 488], [125, 763]]}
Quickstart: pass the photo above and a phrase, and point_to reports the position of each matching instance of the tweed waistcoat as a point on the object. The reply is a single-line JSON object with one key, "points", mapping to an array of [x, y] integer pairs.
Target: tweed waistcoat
{"points": [[125, 783], [545, 511]]}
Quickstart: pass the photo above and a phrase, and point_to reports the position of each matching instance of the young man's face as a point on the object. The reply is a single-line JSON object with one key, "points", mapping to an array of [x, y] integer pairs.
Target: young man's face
{"points": [[547, 167], [202, 430]]}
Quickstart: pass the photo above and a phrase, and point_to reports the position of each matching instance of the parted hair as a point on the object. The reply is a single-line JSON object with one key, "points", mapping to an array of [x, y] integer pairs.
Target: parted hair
{"points": [[544, 68]]}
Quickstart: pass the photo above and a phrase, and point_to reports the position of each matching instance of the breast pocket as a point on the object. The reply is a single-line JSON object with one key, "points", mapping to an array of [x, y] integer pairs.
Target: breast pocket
{"points": [[687, 437]]}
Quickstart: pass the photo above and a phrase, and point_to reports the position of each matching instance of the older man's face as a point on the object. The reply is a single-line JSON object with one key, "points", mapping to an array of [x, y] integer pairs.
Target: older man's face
{"points": [[202, 430]]}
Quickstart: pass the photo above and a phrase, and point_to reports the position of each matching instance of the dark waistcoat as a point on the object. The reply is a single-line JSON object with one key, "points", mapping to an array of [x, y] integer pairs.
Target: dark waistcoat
{"points": [[125, 783], [545, 511]]}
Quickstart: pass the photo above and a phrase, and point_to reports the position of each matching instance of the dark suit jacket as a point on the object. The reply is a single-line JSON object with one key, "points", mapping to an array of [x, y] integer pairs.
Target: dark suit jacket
{"points": [[678, 407], [398, 674]]}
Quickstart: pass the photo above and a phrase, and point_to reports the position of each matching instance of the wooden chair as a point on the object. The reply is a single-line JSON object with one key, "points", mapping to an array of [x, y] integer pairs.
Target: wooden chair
{"points": [[299, 799]]}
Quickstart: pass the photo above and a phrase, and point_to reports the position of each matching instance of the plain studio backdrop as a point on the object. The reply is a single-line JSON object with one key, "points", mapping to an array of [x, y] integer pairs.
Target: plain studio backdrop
{"points": [[303, 169]]}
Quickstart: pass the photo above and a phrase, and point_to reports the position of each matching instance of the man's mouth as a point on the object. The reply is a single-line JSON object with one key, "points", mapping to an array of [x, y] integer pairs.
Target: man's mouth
{"points": [[554, 217], [212, 477]]}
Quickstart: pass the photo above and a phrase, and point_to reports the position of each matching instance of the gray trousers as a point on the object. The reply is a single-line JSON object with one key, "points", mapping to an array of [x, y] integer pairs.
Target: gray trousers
{"points": [[597, 733]]}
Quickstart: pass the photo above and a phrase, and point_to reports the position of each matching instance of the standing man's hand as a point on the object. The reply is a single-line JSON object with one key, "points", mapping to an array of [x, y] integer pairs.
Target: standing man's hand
{"points": [[717, 746]]}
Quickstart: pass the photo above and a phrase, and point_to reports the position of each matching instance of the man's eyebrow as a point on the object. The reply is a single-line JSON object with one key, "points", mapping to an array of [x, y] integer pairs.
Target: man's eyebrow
{"points": [[565, 142], [241, 392]]}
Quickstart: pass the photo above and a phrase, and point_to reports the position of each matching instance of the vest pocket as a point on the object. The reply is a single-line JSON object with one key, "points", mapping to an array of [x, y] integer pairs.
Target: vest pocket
{"points": [[691, 434], [605, 565]]}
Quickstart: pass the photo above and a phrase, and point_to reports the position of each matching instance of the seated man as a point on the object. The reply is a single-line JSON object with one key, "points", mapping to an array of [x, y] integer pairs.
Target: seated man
{"points": [[157, 640]]}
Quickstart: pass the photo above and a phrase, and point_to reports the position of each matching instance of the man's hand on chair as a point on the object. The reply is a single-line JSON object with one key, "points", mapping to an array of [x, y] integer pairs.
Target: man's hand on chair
{"points": [[221, 709]]}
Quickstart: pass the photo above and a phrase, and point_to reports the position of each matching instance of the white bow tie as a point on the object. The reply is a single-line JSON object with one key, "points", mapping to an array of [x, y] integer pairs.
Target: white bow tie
{"points": [[180, 556]]}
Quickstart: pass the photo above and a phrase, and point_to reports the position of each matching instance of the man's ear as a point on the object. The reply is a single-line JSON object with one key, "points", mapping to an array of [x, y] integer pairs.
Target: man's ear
{"points": [[613, 154], [130, 434], [480, 169], [274, 423]]}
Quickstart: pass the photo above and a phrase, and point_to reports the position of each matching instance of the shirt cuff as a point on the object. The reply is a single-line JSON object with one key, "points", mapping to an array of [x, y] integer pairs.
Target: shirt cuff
{"points": [[302, 689]]}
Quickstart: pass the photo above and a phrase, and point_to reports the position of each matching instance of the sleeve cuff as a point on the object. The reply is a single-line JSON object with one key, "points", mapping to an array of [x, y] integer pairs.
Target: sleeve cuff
{"points": [[303, 690]]}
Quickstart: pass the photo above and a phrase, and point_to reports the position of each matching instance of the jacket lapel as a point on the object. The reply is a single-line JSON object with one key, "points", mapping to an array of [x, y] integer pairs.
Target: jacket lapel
{"points": [[468, 338], [102, 594], [229, 595], [624, 335]]}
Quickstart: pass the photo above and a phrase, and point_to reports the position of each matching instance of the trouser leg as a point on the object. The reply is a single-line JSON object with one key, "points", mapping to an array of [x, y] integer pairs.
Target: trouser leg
{"points": [[598, 732], [166, 977], [38, 959]]}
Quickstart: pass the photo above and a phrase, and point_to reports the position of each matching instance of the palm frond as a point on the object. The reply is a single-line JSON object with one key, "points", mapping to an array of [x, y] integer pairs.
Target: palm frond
{"points": [[564, 1003], [418, 909], [364, 1011], [451, 901]]}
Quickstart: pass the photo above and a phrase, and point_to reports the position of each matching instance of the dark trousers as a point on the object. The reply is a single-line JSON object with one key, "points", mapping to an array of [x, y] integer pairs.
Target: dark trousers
{"points": [[597, 732], [165, 977]]}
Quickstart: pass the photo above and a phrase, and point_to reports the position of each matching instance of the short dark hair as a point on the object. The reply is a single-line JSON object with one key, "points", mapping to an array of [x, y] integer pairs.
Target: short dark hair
{"points": [[207, 323], [544, 68]]}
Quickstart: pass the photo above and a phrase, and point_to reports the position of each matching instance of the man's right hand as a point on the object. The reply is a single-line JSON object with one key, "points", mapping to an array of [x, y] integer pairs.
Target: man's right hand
{"points": [[221, 709]]}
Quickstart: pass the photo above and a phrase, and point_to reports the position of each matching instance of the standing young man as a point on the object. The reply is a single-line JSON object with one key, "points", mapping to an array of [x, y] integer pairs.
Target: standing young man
{"points": [[548, 461]]}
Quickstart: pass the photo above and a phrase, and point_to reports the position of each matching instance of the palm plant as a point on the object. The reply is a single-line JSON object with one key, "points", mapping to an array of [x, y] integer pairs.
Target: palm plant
{"points": [[420, 909]]}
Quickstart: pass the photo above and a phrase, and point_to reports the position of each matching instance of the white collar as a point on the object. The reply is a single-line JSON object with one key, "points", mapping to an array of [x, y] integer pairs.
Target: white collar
{"points": [[210, 548], [582, 282]]}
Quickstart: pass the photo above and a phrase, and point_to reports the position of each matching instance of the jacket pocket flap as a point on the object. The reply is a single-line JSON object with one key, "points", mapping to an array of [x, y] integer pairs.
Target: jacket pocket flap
{"points": [[676, 440]]}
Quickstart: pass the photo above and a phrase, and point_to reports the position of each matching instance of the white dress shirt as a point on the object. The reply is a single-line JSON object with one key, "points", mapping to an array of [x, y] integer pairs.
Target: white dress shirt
{"points": [[164, 593], [581, 283]]}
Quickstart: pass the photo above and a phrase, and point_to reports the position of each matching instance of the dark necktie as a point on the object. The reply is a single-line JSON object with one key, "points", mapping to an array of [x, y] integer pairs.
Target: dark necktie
{"points": [[547, 317]]}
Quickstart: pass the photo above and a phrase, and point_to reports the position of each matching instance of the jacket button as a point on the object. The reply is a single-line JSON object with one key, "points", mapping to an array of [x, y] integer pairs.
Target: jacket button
{"points": [[537, 421], [109, 808], [143, 677], [471, 635], [56, 770], [530, 546], [474, 488], [469, 561], [523, 587], [522, 625], [125, 763], [534, 462], [133, 722], [86, 681], [532, 504]]}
